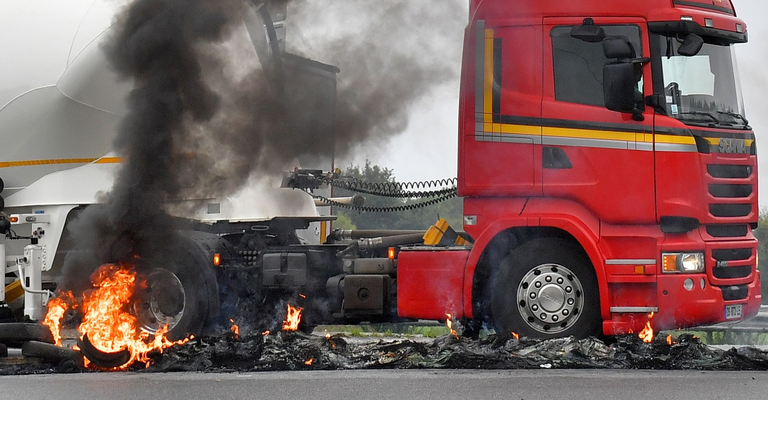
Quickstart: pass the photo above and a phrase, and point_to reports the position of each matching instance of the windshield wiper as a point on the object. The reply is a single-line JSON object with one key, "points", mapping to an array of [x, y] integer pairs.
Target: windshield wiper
{"points": [[737, 116], [715, 120]]}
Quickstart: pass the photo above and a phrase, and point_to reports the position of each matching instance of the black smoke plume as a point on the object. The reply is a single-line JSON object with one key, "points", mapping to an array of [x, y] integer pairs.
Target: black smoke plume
{"points": [[204, 116]]}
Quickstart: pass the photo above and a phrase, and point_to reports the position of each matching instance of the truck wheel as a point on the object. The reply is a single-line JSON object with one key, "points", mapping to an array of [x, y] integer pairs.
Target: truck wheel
{"points": [[546, 288], [177, 293]]}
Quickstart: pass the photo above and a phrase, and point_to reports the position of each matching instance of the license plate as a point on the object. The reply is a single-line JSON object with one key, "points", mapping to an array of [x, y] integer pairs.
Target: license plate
{"points": [[733, 312]]}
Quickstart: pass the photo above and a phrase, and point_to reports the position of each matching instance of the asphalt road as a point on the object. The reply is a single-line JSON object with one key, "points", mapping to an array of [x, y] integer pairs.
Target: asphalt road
{"points": [[394, 385]]}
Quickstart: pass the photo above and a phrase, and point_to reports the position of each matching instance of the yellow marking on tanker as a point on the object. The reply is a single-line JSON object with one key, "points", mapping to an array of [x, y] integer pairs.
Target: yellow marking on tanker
{"points": [[109, 160], [323, 231], [13, 291], [13, 164]]}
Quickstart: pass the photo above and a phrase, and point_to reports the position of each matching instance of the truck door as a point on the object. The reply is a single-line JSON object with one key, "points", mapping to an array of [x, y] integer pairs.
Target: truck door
{"points": [[497, 153], [599, 158]]}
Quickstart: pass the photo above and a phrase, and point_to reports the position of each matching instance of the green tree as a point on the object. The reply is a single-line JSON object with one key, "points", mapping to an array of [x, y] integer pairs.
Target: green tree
{"points": [[343, 222], [415, 219]]}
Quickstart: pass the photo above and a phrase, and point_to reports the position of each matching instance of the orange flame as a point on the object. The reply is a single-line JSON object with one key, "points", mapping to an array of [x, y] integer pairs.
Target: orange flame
{"points": [[449, 323], [109, 325], [669, 340], [265, 332], [309, 362], [235, 329], [328, 338], [647, 333], [515, 335], [292, 318], [57, 307]]}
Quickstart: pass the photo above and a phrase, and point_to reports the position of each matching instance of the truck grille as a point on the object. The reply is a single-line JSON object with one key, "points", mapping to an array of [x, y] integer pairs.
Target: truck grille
{"points": [[731, 193], [732, 254], [730, 210], [732, 203], [732, 270], [730, 171], [727, 230]]}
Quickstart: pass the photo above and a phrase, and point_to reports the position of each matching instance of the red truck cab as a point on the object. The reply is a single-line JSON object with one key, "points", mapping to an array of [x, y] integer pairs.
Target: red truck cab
{"points": [[608, 172]]}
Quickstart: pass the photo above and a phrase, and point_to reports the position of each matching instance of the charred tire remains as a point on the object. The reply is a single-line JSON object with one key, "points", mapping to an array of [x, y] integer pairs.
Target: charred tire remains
{"points": [[101, 358], [15, 334], [546, 288], [177, 291], [51, 353]]}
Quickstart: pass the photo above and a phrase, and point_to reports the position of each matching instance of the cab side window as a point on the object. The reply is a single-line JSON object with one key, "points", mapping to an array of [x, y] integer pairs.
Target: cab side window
{"points": [[579, 64]]}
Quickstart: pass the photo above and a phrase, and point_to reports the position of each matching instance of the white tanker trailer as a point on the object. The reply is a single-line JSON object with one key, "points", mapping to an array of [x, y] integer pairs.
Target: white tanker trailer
{"points": [[60, 106]]}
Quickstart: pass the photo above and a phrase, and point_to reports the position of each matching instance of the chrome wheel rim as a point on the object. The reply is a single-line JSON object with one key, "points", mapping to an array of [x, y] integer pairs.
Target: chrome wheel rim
{"points": [[550, 298], [163, 302]]}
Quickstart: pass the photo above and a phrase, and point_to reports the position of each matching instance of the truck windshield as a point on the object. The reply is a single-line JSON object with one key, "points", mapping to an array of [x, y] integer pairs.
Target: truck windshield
{"points": [[702, 90]]}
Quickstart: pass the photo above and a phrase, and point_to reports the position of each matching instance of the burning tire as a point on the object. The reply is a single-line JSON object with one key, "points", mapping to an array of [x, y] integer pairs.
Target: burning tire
{"points": [[103, 359], [546, 288], [177, 292]]}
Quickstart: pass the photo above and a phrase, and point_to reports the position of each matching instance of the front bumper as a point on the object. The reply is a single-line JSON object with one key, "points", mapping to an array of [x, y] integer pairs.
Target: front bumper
{"points": [[678, 307]]}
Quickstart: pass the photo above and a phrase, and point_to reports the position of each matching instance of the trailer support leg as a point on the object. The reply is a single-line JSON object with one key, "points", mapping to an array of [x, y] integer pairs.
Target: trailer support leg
{"points": [[31, 275], [2, 268]]}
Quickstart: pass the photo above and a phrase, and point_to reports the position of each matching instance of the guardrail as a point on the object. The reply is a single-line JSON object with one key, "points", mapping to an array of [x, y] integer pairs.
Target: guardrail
{"points": [[749, 331]]}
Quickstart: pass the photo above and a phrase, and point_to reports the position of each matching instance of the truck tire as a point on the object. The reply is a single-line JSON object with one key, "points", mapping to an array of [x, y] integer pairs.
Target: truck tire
{"points": [[177, 292], [100, 358], [50, 352], [15, 334], [546, 288]]}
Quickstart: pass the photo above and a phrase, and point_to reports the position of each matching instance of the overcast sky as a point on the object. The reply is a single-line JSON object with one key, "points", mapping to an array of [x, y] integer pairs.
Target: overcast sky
{"points": [[428, 149], [753, 60]]}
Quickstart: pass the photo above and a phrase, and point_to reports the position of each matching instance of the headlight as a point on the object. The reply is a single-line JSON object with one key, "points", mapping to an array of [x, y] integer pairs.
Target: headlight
{"points": [[682, 262]]}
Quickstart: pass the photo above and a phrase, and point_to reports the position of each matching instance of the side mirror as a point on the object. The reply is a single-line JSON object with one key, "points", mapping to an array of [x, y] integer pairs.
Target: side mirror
{"points": [[691, 45], [619, 86], [588, 31]]}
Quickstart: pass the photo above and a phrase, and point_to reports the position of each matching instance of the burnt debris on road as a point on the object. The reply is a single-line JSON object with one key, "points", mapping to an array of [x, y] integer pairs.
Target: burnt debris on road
{"points": [[297, 351]]}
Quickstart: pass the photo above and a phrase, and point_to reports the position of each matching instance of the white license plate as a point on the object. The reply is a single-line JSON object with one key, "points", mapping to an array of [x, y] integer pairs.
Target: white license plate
{"points": [[733, 312]]}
